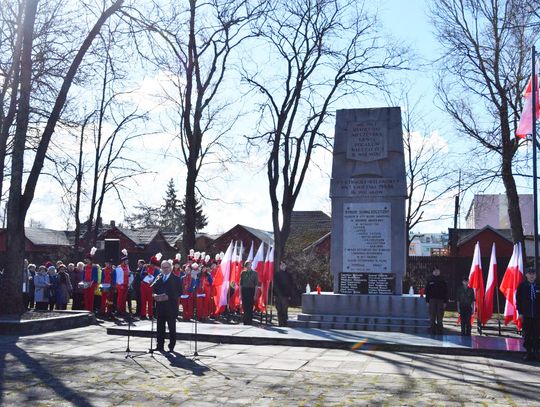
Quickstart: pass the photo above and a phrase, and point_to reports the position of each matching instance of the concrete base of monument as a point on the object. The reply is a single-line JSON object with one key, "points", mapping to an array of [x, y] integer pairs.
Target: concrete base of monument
{"points": [[393, 313]]}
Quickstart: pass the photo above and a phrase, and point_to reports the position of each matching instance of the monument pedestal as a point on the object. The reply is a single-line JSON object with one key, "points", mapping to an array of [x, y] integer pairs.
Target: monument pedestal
{"points": [[393, 313]]}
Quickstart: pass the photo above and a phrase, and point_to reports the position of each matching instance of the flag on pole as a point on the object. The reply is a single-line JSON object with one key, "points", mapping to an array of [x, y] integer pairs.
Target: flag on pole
{"points": [[526, 118], [267, 276], [258, 266], [221, 281], [476, 281], [236, 270], [250, 255], [509, 284], [491, 285]]}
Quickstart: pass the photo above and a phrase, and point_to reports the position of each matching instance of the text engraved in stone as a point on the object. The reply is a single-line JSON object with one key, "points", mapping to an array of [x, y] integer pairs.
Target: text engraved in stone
{"points": [[367, 187], [366, 237], [367, 283], [367, 141]]}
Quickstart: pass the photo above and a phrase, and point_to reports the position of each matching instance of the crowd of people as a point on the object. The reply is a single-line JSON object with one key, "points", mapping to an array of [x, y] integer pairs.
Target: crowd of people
{"points": [[115, 290]]}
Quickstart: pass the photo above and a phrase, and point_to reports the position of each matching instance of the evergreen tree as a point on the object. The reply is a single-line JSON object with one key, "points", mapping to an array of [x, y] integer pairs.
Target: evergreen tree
{"points": [[200, 218], [171, 213]]}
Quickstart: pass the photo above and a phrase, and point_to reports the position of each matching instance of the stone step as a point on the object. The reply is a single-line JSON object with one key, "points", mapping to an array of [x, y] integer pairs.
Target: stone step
{"points": [[381, 327], [363, 319]]}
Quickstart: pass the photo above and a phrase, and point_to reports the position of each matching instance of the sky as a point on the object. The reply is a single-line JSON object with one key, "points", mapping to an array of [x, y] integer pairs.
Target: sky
{"points": [[239, 195]]}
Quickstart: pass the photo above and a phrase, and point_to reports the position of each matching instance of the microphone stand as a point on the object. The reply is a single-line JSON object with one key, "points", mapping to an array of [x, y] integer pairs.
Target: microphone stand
{"points": [[196, 354], [128, 351]]}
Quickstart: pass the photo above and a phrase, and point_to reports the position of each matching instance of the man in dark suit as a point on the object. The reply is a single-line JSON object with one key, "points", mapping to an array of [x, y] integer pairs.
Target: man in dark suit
{"points": [[166, 308]]}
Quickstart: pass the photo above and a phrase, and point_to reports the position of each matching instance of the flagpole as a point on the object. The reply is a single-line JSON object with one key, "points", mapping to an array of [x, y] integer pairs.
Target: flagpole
{"points": [[535, 143], [498, 307]]}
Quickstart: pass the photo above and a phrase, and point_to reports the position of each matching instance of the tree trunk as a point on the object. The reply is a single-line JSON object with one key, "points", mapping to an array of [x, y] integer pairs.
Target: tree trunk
{"points": [[7, 120], [11, 283], [190, 211]]}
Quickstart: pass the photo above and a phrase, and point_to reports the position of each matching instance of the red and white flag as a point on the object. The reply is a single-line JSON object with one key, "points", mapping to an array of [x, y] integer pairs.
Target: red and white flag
{"points": [[267, 276], [526, 118], [491, 285], [476, 281], [250, 255], [513, 276], [258, 266], [221, 281]]}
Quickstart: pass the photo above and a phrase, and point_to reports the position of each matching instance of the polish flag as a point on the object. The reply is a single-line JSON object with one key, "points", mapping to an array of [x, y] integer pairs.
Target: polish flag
{"points": [[221, 281], [267, 276], [491, 285], [234, 301], [258, 266], [509, 284], [476, 281], [526, 119], [250, 255]]}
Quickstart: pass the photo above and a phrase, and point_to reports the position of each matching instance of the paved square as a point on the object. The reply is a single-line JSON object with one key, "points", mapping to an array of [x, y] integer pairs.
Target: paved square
{"points": [[76, 367]]}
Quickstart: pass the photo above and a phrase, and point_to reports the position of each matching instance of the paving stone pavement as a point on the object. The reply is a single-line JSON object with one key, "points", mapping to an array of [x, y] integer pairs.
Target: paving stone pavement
{"points": [[76, 367]]}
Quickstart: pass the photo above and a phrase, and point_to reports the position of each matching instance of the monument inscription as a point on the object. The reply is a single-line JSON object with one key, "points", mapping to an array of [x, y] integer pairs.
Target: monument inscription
{"points": [[367, 141], [367, 283], [366, 237]]}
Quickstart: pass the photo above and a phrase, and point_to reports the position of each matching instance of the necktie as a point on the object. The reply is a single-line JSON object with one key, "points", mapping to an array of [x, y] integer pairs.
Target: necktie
{"points": [[165, 278]]}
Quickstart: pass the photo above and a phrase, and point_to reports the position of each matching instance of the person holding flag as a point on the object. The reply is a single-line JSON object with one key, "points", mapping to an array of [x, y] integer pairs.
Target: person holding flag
{"points": [[249, 280], [528, 306], [465, 301]]}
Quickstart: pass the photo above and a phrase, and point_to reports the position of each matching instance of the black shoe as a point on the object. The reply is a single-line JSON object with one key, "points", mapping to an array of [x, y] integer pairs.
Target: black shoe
{"points": [[158, 349], [171, 348]]}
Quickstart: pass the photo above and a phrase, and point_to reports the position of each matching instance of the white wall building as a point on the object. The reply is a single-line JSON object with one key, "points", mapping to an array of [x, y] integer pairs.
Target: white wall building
{"points": [[492, 210]]}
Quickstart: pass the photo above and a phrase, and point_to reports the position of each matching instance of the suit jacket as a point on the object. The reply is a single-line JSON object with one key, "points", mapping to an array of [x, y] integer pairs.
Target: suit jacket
{"points": [[173, 289]]}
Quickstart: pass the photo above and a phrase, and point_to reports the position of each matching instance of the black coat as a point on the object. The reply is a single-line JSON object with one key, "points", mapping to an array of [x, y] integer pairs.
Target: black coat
{"points": [[524, 302], [283, 284], [436, 288], [173, 289]]}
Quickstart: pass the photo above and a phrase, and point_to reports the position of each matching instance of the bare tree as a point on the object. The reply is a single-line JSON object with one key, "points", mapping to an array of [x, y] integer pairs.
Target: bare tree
{"points": [[483, 72], [20, 200], [321, 51], [428, 168], [199, 40]]}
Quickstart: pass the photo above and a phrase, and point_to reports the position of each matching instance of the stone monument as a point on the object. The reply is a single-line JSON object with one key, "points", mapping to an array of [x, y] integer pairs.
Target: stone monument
{"points": [[368, 191], [368, 241]]}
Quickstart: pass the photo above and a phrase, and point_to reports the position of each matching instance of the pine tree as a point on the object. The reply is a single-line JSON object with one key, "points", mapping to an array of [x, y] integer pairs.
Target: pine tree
{"points": [[200, 218], [171, 213]]}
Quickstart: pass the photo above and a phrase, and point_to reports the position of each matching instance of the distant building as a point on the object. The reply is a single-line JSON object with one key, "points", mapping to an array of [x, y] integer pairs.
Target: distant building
{"points": [[244, 234], [492, 210], [428, 244], [462, 241]]}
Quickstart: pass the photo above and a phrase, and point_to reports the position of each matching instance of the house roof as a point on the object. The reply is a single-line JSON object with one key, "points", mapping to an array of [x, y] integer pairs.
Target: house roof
{"points": [[265, 236], [172, 237], [308, 221], [466, 235], [47, 237]]}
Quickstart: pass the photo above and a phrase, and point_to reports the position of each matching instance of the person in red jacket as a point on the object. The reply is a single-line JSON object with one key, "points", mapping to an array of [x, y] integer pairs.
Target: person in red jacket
{"points": [[177, 267], [188, 287], [91, 278], [203, 291], [149, 272], [107, 276]]}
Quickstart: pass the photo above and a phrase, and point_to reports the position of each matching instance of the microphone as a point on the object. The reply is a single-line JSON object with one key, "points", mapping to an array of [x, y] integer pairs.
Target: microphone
{"points": [[156, 280]]}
